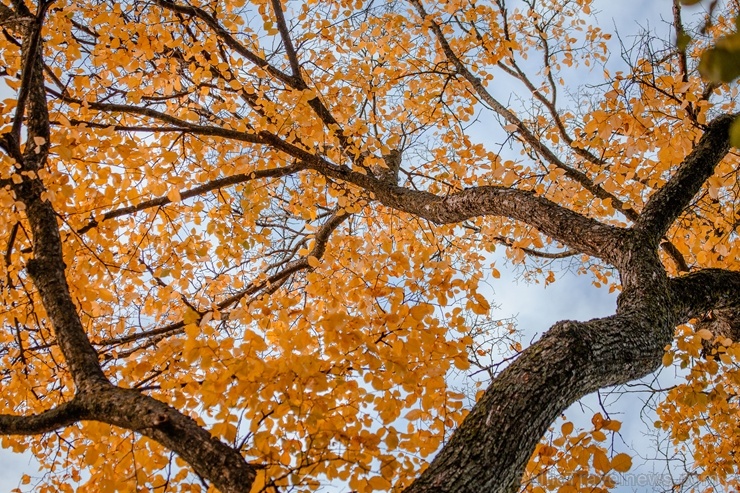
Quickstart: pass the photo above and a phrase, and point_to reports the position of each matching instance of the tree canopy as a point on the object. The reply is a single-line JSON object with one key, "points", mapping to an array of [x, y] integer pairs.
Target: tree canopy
{"points": [[246, 244]]}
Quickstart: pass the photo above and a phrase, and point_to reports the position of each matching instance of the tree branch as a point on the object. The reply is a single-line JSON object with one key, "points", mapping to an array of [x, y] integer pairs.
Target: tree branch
{"points": [[47, 267], [570, 228], [533, 252], [18, 21], [63, 415], [700, 292], [261, 137], [222, 465], [295, 67], [676, 255], [665, 205], [180, 125], [528, 137], [31, 46], [321, 240], [194, 192], [210, 458], [232, 42], [295, 81], [578, 232]]}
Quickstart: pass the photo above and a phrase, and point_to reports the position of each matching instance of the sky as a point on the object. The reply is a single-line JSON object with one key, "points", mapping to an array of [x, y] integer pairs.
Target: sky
{"points": [[535, 306]]}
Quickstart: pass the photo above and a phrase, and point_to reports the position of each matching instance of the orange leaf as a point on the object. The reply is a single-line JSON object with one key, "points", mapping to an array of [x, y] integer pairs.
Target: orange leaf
{"points": [[622, 462]]}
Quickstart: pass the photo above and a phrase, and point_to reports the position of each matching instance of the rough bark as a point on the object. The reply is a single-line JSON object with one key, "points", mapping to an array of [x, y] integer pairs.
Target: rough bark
{"points": [[574, 359], [570, 361]]}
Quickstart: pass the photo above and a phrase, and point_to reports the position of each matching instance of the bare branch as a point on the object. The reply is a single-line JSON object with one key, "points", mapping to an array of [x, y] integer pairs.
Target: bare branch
{"points": [[518, 73], [680, 34], [535, 253]]}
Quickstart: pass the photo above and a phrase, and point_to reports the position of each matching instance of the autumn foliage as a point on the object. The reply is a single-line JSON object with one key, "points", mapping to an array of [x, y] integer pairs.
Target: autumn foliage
{"points": [[276, 224]]}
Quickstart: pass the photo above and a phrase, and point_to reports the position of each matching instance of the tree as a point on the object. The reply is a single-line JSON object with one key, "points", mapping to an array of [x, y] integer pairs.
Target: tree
{"points": [[247, 240]]}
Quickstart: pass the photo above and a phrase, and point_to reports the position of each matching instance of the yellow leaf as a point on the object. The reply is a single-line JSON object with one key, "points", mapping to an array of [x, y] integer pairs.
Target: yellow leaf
{"points": [[92, 456], [313, 261], [567, 428], [379, 483], [622, 462], [190, 316], [601, 461], [479, 304], [613, 425], [598, 435], [418, 312], [173, 195], [667, 359]]}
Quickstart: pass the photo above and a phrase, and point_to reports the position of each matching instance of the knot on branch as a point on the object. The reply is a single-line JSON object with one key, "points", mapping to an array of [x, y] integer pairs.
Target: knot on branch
{"points": [[574, 336], [35, 268], [157, 419]]}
